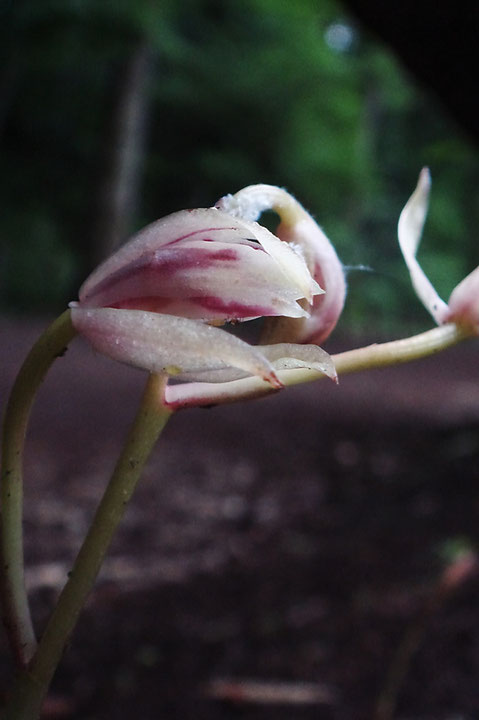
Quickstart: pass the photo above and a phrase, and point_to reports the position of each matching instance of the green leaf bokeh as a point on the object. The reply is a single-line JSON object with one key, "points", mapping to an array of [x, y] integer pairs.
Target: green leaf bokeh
{"points": [[260, 91]]}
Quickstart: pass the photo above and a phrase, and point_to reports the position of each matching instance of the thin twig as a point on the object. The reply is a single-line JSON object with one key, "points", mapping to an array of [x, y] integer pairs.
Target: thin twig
{"points": [[454, 575]]}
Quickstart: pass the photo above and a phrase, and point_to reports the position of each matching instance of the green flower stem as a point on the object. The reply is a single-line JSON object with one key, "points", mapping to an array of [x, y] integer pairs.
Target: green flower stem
{"points": [[366, 358], [30, 689], [16, 613], [400, 351]]}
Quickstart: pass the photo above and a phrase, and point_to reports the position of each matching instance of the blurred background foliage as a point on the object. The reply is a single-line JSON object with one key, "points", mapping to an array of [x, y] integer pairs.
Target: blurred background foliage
{"points": [[113, 114]]}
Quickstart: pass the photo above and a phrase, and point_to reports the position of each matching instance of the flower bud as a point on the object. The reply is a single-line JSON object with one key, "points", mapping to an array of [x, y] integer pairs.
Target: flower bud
{"points": [[155, 302], [206, 265]]}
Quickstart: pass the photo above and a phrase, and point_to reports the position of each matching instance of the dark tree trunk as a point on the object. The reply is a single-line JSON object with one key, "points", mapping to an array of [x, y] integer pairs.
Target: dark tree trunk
{"points": [[123, 152]]}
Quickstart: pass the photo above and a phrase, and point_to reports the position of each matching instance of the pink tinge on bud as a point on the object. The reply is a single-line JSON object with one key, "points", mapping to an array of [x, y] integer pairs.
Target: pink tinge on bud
{"points": [[463, 306], [327, 270], [202, 264]]}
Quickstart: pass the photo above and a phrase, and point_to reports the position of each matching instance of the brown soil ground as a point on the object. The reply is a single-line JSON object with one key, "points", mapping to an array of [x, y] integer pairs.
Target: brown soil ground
{"points": [[277, 554]]}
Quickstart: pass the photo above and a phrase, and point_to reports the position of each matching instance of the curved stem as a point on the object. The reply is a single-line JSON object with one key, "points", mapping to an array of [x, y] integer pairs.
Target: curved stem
{"points": [[16, 613], [374, 356], [400, 351], [33, 682]]}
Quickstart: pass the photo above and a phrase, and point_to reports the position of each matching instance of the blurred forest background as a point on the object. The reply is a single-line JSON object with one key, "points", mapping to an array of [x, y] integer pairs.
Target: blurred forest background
{"points": [[113, 114]]}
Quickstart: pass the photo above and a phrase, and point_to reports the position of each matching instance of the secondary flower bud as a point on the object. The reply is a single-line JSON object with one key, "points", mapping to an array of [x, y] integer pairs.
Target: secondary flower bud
{"points": [[464, 303]]}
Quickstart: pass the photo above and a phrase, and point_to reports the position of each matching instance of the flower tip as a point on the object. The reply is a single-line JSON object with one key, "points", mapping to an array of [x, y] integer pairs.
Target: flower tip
{"points": [[418, 202], [274, 380], [316, 289], [425, 178]]}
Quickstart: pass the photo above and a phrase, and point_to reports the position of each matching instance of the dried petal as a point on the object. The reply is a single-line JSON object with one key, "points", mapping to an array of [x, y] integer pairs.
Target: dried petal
{"points": [[410, 226]]}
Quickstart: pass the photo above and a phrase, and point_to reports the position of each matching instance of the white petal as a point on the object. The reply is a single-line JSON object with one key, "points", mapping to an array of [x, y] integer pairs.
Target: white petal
{"points": [[201, 278], [181, 231], [249, 203], [291, 262], [290, 355], [164, 343], [410, 226]]}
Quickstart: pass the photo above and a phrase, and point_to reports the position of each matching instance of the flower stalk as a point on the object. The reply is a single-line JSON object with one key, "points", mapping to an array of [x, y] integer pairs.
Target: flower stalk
{"points": [[16, 614], [33, 682], [366, 358]]}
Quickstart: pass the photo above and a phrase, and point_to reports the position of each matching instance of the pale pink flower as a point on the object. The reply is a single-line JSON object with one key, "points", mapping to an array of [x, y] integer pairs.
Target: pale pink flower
{"points": [[155, 303]]}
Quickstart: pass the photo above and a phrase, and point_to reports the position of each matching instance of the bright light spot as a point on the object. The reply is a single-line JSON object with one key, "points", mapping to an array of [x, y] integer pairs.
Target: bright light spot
{"points": [[339, 36]]}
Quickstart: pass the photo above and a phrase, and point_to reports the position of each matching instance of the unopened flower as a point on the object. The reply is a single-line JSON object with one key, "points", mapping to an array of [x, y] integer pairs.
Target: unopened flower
{"points": [[464, 302], [463, 305], [300, 230], [155, 303]]}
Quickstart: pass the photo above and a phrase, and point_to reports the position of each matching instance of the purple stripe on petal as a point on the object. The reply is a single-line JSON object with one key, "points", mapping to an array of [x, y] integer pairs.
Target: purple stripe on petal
{"points": [[170, 262], [231, 310], [197, 232], [167, 262]]}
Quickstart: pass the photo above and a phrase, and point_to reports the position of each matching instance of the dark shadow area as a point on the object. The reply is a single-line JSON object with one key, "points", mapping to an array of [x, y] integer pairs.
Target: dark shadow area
{"points": [[295, 540]]}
